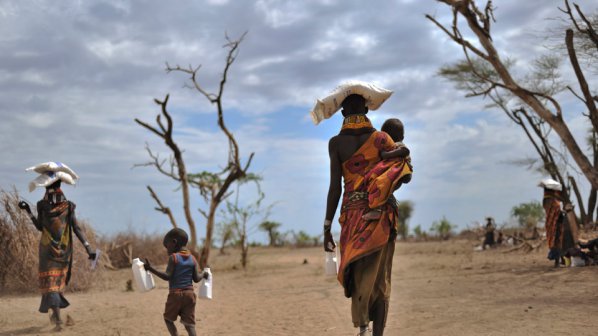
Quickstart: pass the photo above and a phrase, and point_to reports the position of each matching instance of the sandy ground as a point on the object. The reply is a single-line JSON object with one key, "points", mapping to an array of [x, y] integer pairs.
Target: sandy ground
{"points": [[439, 288]]}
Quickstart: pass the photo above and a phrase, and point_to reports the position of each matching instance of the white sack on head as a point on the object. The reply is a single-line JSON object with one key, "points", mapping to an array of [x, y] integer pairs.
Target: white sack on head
{"points": [[53, 167], [48, 178], [375, 96], [551, 184]]}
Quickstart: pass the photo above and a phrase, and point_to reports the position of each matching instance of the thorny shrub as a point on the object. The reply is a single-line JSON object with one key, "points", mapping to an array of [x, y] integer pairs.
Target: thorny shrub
{"points": [[19, 241]]}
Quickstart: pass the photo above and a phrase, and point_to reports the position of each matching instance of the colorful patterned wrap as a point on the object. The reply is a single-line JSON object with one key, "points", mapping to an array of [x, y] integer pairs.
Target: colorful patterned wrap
{"points": [[55, 247], [360, 238], [383, 179], [554, 221]]}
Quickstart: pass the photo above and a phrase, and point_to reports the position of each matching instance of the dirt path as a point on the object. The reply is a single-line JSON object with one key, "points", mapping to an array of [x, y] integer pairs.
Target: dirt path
{"points": [[438, 289]]}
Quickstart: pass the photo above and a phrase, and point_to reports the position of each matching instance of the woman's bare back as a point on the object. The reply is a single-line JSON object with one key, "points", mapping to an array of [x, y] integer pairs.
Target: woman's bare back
{"points": [[346, 145]]}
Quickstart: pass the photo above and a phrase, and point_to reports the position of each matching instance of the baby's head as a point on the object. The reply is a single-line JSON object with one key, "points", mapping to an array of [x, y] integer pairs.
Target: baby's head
{"points": [[394, 128], [174, 240]]}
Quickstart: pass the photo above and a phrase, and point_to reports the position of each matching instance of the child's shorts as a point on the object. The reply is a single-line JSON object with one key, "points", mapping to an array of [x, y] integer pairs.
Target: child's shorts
{"points": [[180, 302]]}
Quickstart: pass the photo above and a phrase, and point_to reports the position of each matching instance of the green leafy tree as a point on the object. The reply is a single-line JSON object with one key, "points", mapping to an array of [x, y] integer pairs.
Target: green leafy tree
{"points": [[226, 231], [272, 229], [241, 217], [405, 211], [528, 214], [302, 239], [443, 228], [419, 233]]}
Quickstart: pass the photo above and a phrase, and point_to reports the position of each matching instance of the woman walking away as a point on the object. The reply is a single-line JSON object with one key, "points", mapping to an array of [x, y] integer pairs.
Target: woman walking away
{"points": [[56, 221], [366, 244]]}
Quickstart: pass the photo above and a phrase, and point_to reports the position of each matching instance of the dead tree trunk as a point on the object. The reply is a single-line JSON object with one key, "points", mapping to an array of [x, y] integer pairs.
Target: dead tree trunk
{"points": [[582, 211], [205, 252], [216, 185], [165, 132]]}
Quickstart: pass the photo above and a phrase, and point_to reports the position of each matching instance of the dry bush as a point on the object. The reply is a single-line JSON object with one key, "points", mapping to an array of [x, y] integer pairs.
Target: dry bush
{"points": [[125, 246], [19, 240], [470, 234], [83, 277]]}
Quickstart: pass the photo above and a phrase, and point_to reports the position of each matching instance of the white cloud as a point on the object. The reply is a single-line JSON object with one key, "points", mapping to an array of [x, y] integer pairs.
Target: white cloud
{"points": [[264, 62], [280, 14], [218, 2], [38, 120]]}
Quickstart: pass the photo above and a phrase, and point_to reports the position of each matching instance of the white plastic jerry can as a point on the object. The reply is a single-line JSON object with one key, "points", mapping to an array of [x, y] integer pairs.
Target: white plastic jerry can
{"points": [[205, 286], [331, 265], [144, 281], [94, 263]]}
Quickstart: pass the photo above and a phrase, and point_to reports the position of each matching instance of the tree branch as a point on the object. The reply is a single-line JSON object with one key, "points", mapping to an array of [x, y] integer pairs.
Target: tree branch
{"points": [[248, 162], [575, 94], [203, 213], [193, 72], [583, 84], [161, 207], [459, 40], [152, 129], [590, 31], [176, 161], [570, 13], [159, 165], [582, 211]]}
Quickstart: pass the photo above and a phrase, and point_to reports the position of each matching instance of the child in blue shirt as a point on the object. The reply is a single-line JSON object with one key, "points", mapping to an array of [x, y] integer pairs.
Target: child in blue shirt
{"points": [[181, 270]]}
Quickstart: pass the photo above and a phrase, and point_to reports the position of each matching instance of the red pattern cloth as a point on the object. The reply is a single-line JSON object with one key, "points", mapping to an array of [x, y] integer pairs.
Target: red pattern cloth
{"points": [[553, 223], [358, 236]]}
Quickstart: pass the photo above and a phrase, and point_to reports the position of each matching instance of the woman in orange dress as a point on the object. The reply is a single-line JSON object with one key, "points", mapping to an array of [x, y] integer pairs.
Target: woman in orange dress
{"points": [[366, 246]]}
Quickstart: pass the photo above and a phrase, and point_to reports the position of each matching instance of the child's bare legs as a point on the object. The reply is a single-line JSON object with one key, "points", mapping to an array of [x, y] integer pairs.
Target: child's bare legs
{"points": [[55, 318], [190, 330], [372, 214], [171, 328]]}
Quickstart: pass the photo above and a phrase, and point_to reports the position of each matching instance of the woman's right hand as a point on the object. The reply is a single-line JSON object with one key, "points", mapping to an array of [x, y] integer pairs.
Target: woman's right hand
{"points": [[24, 206], [329, 244]]}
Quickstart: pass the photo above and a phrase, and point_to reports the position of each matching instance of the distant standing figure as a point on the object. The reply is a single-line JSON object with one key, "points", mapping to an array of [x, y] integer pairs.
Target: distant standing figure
{"points": [[181, 270], [500, 238], [489, 236], [535, 234], [558, 234], [57, 223]]}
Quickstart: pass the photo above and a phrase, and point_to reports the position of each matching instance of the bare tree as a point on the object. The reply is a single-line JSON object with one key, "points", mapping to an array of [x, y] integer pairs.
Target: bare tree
{"points": [[226, 233], [405, 209], [240, 216], [163, 209], [176, 169], [213, 187], [272, 229], [537, 105]]}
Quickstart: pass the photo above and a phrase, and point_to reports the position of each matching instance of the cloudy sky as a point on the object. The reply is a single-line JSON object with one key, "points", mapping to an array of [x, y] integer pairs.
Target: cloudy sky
{"points": [[74, 75]]}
